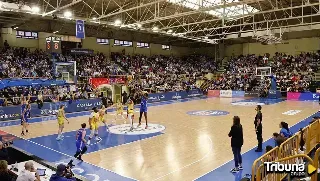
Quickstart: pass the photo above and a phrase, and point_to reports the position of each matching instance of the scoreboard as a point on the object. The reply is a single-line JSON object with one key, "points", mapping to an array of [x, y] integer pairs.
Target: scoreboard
{"points": [[53, 44]]}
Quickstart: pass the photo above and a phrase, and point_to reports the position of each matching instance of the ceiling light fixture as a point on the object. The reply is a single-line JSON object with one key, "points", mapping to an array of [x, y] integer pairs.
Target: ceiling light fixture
{"points": [[35, 9], [67, 14]]}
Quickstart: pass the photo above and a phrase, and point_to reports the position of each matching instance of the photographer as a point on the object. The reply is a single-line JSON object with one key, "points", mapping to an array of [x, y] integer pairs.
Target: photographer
{"points": [[4, 151], [63, 173]]}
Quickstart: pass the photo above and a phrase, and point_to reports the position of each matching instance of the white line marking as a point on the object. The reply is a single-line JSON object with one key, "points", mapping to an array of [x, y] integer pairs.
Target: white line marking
{"points": [[70, 156], [250, 149], [205, 156]]}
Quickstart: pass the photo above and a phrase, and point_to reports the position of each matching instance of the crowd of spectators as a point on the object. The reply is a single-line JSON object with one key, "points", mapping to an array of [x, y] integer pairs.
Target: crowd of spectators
{"points": [[21, 62], [293, 73], [37, 94], [165, 73]]}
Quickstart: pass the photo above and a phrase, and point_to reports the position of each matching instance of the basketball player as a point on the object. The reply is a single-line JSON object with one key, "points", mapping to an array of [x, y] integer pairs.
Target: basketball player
{"points": [[25, 115], [102, 112], [119, 112], [93, 121], [61, 117], [81, 142], [144, 109], [130, 112]]}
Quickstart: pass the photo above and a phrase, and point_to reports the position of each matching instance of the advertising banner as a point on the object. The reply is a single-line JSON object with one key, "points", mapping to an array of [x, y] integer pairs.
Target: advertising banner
{"points": [[167, 96], [14, 112], [225, 93], [293, 95], [214, 93], [251, 94], [307, 96], [95, 82], [237, 93]]}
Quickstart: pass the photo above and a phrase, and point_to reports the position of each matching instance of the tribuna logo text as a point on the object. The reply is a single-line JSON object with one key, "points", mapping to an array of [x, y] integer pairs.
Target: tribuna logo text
{"points": [[297, 170]]}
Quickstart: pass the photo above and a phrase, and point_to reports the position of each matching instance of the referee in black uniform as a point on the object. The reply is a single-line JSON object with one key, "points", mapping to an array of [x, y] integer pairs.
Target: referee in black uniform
{"points": [[258, 127], [258, 115]]}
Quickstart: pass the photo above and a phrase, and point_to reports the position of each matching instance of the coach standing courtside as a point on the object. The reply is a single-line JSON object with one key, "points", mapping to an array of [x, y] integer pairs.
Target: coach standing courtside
{"points": [[236, 134]]}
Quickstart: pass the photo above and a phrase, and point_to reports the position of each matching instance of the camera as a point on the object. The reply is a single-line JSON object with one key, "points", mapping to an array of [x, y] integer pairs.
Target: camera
{"points": [[6, 144], [68, 172]]}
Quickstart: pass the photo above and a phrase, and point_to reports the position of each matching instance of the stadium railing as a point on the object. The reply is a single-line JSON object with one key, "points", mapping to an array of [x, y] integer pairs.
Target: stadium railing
{"points": [[276, 177], [271, 156], [287, 149], [316, 164]]}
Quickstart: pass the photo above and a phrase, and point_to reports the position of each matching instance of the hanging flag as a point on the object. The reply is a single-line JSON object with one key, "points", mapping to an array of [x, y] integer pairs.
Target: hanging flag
{"points": [[80, 29]]}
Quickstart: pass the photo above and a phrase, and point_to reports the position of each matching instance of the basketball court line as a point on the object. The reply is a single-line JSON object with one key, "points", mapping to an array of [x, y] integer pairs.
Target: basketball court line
{"points": [[70, 156], [188, 165], [270, 138], [85, 113]]}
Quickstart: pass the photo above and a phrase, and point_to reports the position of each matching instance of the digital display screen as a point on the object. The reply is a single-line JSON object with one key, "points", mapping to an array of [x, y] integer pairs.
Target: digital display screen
{"points": [[27, 34]]}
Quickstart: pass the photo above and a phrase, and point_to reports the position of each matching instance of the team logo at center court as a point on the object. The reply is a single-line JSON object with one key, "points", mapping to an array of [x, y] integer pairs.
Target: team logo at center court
{"points": [[208, 113], [125, 129], [247, 103]]}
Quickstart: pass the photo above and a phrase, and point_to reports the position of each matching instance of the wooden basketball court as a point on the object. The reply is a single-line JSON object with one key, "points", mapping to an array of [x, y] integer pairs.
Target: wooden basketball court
{"points": [[190, 146]]}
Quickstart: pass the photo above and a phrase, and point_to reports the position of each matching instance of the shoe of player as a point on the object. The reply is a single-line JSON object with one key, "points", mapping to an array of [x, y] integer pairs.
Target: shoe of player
{"points": [[146, 127], [88, 142], [139, 124]]}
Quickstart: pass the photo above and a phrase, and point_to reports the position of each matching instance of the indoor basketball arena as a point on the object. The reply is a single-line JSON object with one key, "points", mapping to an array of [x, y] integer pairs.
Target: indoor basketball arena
{"points": [[168, 90]]}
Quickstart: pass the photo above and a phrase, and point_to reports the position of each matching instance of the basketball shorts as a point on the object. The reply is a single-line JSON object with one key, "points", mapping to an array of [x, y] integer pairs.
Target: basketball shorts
{"points": [[60, 121], [80, 145], [94, 126], [101, 119], [143, 110], [119, 112], [26, 120]]}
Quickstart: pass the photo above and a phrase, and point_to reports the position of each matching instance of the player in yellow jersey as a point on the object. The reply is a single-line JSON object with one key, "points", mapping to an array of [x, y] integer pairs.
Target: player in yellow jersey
{"points": [[94, 122], [61, 117], [119, 112], [102, 113], [130, 112]]}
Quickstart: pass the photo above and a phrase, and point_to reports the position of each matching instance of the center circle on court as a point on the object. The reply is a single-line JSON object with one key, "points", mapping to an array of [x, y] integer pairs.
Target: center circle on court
{"points": [[208, 113], [125, 129]]}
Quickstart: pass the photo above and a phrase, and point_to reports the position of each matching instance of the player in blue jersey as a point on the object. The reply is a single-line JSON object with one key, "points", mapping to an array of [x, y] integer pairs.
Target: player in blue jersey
{"points": [[25, 115], [144, 109], [81, 142]]}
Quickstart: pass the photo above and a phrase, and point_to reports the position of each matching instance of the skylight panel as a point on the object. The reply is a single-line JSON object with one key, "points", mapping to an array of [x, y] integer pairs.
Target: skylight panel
{"points": [[230, 11]]}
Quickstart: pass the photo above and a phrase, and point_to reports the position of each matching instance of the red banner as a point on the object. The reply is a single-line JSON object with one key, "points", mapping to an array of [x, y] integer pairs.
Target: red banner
{"points": [[214, 93], [95, 82]]}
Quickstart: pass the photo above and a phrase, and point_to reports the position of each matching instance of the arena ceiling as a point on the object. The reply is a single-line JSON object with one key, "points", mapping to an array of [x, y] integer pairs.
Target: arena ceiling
{"points": [[184, 21]]}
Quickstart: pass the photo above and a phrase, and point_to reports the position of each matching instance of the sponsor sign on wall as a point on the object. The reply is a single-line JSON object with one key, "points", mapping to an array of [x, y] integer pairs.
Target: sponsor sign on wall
{"points": [[237, 93], [214, 93], [251, 94], [174, 95], [225, 93], [307, 96]]}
